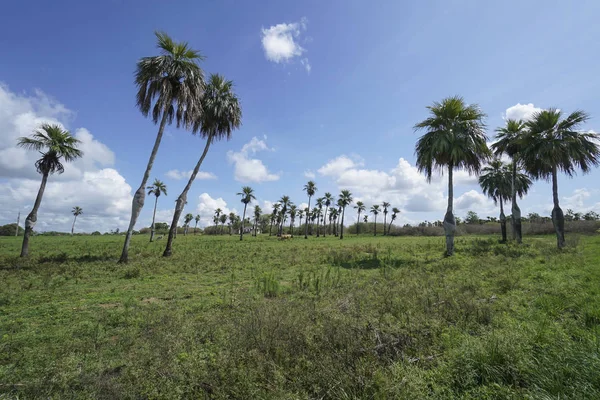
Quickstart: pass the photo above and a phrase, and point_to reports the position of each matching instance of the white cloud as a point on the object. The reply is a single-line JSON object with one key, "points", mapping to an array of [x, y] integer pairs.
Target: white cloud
{"points": [[306, 64], [521, 111], [281, 43], [309, 174], [89, 182], [178, 175], [248, 169], [338, 165], [473, 200], [206, 208], [577, 201]]}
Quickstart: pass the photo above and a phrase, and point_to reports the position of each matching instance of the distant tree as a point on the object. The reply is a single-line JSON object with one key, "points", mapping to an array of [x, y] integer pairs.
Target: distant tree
{"points": [[328, 200], [385, 206], [257, 212], [157, 188], [375, 211], [310, 188], [285, 205], [223, 220], [76, 211], [187, 219], [591, 216], [472, 218], [360, 208], [395, 212], [247, 195], [300, 214], [273, 217], [10, 229], [345, 201], [232, 220], [293, 212], [197, 219], [55, 145], [320, 202]]}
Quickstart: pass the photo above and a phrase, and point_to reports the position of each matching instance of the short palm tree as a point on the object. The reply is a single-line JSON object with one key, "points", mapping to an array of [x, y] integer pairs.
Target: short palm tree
{"points": [[170, 86], [375, 211], [197, 219], [454, 139], [310, 188], [218, 213], [273, 217], [360, 208], [247, 194], [76, 211], [300, 214], [157, 188], [395, 212], [257, 212], [385, 206], [223, 220], [366, 219], [232, 221], [293, 211], [285, 204], [319, 202], [221, 114], [340, 204], [55, 145], [186, 222], [554, 144], [496, 183], [509, 142], [346, 200], [333, 215]]}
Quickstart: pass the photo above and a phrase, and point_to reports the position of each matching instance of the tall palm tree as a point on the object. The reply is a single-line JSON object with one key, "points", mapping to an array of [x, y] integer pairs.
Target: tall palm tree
{"points": [[157, 188], [375, 211], [319, 203], [221, 114], [247, 194], [385, 206], [197, 219], [300, 214], [360, 208], [232, 220], [186, 222], [55, 145], [285, 204], [310, 188], [496, 182], [395, 212], [170, 86], [273, 216], [293, 211], [554, 144], [340, 204], [454, 139], [509, 142], [328, 200], [76, 211], [346, 200], [223, 220], [257, 212]]}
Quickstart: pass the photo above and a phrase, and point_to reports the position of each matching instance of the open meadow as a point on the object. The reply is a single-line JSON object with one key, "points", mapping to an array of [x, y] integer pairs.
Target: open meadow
{"points": [[367, 317]]}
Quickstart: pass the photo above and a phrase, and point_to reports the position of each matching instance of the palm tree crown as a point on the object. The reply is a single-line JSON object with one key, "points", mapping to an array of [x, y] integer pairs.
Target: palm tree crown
{"points": [[76, 211], [157, 188], [496, 181], [509, 139], [247, 194]]}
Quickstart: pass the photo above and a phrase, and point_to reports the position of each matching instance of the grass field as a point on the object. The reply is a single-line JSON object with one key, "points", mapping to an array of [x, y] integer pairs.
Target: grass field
{"points": [[375, 318]]}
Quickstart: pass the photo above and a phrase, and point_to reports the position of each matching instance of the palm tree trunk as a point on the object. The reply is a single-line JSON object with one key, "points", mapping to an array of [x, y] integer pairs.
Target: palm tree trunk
{"points": [[318, 218], [291, 231], [153, 218], [138, 199], [342, 223], [195, 227], [325, 222], [375, 234], [384, 222], [449, 220], [32, 217], [243, 219], [390, 226], [181, 200], [515, 210], [73, 226], [307, 218], [271, 228], [558, 218], [502, 221]]}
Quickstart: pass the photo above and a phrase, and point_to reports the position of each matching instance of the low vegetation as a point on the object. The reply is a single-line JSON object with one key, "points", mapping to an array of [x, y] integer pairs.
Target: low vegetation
{"points": [[366, 317]]}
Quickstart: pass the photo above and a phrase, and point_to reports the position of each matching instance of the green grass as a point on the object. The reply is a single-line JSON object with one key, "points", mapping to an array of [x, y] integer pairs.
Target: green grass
{"points": [[385, 317]]}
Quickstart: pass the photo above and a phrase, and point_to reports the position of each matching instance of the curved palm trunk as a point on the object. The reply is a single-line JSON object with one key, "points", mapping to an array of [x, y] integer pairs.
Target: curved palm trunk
{"points": [[307, 218], [390, 226], [181, 200], [375, 234], [558, 218], [243, 219], [502, 221], [153, 218], [138, 199], [384, 222], [73, 226], [449, 220], [515, 210], [342, 223], [32, 217]]}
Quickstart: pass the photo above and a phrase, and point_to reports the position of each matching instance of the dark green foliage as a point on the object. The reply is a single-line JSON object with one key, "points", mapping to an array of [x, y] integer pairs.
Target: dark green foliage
{"points": [[9, 230]]}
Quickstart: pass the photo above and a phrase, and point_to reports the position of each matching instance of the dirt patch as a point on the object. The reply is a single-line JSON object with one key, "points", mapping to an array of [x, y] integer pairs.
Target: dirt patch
{"points": [[109, 305]]}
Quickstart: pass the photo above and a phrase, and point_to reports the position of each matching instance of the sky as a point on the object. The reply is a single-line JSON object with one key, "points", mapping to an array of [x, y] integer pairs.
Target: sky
{"points": [[330, 91]]}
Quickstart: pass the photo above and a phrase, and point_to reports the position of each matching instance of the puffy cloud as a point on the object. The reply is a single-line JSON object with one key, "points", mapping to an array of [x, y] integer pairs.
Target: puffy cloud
{"points": [[309, 174], [521, 111], [473, 200], [338, 165], [206, 208], [281, 43], [178, 175], [248, 169]]}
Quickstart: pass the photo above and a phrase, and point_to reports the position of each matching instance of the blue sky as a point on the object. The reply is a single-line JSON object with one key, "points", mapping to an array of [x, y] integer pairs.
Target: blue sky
{"points": [[347, 118]]}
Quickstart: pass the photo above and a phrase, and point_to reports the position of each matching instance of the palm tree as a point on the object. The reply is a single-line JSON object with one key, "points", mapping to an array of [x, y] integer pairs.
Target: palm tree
{"points": [[186, 222], [257, 212], [223, 220], [366, 219], [54, 144], [346, 200], [221, 114], [333, 215], [496, 183], [218, 213], [232, 220], [395, 212], [300, 214], [273, 216], [157, 188], [454, 139], [292, 212], [360, 208], [313, 217], [375, 211], [509, 142], [385, 206], [285, 204], [197, 219], [77, 211], [247, 194], [174, 82], [340, 204], [320, 202], [328, 200], [310, 188], [554, 144]]}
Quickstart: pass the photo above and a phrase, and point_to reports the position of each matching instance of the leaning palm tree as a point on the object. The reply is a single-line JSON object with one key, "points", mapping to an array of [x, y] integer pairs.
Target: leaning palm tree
{"points": [[496, 183], [247, 194], [319, 202], [257, 212], [375, 211], [509, 142], [221, 114], [346, 200], [385, 206], [395, 212], [186, 222], [55, 145], [310, 188], [454, 139], [76, 211], [197, 219], [157, 188], [554, 144], [174, 82], [360, 208]]}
